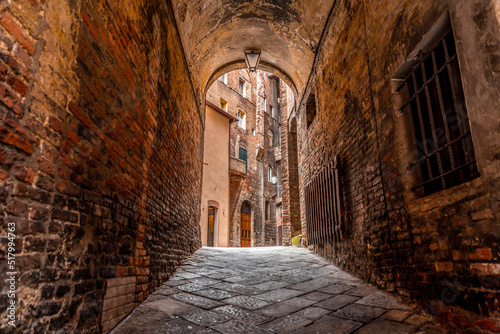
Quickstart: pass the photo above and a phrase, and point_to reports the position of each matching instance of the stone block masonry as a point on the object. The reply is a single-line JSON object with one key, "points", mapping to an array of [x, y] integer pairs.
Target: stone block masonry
{"points": [[95, 101]]}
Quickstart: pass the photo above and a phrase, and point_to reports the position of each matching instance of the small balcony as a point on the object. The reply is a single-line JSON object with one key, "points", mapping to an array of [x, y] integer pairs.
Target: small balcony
{"points": [[238, 166]]}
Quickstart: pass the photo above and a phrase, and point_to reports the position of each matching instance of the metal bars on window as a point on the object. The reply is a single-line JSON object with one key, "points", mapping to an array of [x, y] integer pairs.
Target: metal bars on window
{"points": [[445, 155], [324, 206]]}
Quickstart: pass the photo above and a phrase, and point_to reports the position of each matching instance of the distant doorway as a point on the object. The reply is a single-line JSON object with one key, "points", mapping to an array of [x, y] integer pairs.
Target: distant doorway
{"points": [[211, 225], [246, 225]]}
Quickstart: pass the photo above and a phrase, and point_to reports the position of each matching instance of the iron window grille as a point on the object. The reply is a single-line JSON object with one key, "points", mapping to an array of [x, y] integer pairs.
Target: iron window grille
{"points": [[324, 215], [444, 151]]}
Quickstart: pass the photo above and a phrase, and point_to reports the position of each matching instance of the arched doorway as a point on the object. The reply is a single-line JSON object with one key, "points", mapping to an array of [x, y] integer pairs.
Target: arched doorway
{"points": [[246, 224], [212, 211]]}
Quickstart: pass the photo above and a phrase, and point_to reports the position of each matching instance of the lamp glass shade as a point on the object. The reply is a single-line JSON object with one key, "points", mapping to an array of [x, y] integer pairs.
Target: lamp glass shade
{"points": [[252, 59]]}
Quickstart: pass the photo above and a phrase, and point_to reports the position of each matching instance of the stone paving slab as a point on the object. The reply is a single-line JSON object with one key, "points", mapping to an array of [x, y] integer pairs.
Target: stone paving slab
{"points": [[206, 318], [386, 326], [215, 294], [336, 289], [312, 313], [317, 296], [243, 314], [287, 324], [247, 302], [383, 300], [238, 327], [196, 300], [279, 295], [269, 290], [286, 307], [337, 302], [360, 313], [333, 325]]}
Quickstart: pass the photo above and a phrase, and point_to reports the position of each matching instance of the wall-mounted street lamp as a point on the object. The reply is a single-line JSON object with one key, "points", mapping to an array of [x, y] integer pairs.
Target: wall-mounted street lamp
{"points": [[252, 59]]}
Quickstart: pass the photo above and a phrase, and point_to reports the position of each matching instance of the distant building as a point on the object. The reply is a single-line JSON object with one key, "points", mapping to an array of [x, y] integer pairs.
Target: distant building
{"points": [[254, 154], [214, 220]]}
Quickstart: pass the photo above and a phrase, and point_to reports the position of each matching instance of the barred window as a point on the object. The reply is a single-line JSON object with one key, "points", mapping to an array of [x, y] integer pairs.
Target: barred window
{"points": [[325, 222], [444, 154]]}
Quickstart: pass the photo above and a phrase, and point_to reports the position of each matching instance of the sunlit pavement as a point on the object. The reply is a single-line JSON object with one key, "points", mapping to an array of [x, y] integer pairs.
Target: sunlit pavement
{"points": [[269, 290]]}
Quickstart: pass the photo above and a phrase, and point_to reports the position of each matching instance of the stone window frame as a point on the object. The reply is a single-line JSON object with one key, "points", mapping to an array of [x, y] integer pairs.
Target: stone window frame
{"points": [[404, 132]]}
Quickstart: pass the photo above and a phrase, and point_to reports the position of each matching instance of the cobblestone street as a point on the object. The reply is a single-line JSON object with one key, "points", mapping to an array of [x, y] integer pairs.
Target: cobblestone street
{"points": [[269, 290]]}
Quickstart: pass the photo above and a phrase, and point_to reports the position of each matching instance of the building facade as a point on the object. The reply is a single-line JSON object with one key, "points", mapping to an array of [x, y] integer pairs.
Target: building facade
{"points": [[252, 98], [214, 218]]}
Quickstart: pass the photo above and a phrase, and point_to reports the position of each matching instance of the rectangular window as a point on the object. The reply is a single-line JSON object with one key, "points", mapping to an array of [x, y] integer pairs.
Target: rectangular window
{"points": [[243, 155], [269, 174], [242, 119], [243, 87], [310, 109], [223, 104], [324, 216], [223, 78], [436, 107], [272, 112], [265, 104]]}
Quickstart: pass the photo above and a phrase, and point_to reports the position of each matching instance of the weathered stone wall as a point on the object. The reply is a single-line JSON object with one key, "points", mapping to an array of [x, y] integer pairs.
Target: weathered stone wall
{"points": [[445, 244], [95, 100]]}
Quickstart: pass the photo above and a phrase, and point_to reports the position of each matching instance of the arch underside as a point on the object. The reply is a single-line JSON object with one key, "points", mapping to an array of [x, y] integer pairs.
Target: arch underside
{"points": [[216, 34]]}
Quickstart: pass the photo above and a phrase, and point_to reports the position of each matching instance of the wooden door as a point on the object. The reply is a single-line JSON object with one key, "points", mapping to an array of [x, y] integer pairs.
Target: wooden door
{"points": [[211, 226], [246, 230]]}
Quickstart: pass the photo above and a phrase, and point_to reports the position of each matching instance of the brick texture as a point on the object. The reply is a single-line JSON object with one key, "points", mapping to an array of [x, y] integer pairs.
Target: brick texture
{"points": [[100, 158], [420, 248]]}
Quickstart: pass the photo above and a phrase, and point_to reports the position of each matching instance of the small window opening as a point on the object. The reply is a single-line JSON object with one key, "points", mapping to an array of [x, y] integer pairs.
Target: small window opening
{"points": [[242, 119], [243, 87], [223, 104], [243, 155], [311, 109]]}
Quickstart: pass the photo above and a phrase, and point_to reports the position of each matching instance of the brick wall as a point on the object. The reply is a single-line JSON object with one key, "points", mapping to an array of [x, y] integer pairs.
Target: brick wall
{"points": [[420, 248], [95, 100]]}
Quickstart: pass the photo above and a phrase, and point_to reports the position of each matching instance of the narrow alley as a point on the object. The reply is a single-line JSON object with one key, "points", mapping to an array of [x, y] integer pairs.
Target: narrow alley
{"points": [[269, 290], [357, 137]]}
